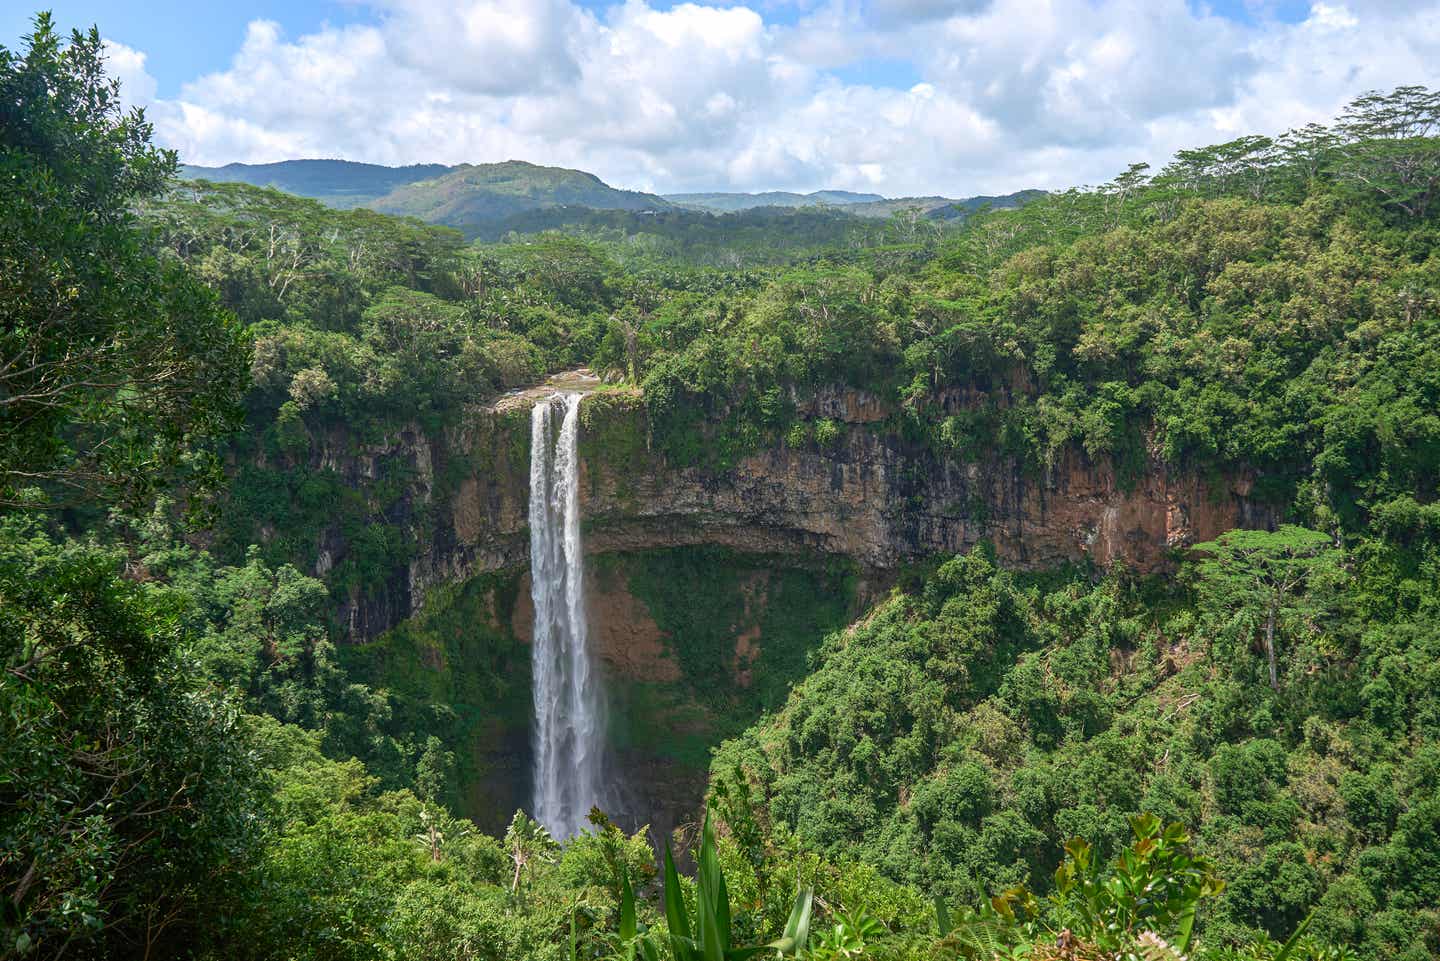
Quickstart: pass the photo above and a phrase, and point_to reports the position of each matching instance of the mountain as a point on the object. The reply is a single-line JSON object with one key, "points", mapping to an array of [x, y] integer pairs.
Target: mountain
{"points": [[725, 203], [941, 208], [338, 183], [472, 196], [469, 196], [859, 205], [481, 199]]}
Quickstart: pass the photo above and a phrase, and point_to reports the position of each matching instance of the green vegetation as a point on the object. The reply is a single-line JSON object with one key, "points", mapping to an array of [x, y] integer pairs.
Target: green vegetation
{"points": [[471, 196], [456, 685], [337, 183], [752, 621], [514, 199], [703, 598], [750, 235], [160, 362], [731, 202], [192, 766], [967, 730], [759, 237], [126, 790]]}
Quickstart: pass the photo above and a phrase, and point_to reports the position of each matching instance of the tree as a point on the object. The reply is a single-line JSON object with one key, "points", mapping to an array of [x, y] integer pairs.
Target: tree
{"points": [[265, 635], [111, 358], [1134, 179], [127, 790], [529, 844], [1307, 150], [1264, 576], [1393, 151]]}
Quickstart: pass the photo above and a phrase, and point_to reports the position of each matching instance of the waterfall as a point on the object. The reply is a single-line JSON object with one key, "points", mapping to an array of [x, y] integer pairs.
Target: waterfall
{"points": [[569, 716]]}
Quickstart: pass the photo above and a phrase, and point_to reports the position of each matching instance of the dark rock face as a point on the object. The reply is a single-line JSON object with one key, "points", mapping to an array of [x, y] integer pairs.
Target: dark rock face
{"points": [[870, 497]]}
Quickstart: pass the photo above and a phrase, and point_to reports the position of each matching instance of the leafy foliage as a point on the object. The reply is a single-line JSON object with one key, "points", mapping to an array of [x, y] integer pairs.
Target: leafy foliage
{"points": [[189, 767], [965, 731], [111, 355], [126, 786], [1264, 576], [706, 934]]}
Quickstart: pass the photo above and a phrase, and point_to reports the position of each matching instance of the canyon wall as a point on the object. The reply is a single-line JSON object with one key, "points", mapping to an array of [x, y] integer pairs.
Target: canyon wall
{"points": [[870, 497], [708, 590]]}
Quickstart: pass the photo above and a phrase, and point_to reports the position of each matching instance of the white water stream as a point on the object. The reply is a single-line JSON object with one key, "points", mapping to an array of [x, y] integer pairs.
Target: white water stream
{"points": [[569, 704]]}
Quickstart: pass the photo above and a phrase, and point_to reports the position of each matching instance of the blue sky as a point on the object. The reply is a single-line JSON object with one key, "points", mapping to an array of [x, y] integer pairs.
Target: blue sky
{"points": [[897, 96], [188, 38], [184, 38]]}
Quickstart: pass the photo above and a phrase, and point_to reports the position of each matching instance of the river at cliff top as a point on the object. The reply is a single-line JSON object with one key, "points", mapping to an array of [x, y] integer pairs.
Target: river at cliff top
{"points": [[581, 380]]}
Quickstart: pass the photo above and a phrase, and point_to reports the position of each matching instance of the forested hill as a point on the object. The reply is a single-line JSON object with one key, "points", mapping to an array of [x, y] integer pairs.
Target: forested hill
{"points": [[730, 202], [338, 183], [859, 205], [470, 197], [491, 200], [942, 208], [195, 381]]}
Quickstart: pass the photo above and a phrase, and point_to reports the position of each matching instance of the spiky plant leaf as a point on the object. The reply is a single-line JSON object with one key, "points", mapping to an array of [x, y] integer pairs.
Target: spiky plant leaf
{"points": [[628, 924], [942, 916], [676, 917], [797, 927], [1293, 942]]}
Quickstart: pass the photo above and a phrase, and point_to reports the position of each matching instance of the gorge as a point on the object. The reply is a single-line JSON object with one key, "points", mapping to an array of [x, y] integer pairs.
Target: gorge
{"points": [[706, 588], [1058, 581], [871, 497]]}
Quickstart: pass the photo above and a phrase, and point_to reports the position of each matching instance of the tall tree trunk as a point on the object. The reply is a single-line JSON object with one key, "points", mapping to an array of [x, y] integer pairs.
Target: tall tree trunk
{"points": [[1270, 647]]}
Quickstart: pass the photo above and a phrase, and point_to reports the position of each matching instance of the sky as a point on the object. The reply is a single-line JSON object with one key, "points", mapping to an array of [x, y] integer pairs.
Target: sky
{"points": [[899, 97]]}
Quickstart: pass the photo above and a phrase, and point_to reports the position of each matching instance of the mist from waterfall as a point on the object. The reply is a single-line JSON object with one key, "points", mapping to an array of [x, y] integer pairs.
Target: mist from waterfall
{"points": [[569, 703]]}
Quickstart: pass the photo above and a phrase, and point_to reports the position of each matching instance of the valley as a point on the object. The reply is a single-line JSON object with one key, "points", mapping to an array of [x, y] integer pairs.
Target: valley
{"points": [[492, 200], [485, 562]]}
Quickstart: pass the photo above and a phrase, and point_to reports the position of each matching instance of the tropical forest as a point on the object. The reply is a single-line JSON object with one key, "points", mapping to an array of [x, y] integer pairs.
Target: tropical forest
{"points": [[484, 562]]}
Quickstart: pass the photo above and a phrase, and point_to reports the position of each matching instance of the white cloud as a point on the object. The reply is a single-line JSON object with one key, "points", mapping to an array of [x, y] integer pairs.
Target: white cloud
{"points": [[889, 12], [1324, 15], [137, 87], [1011, 93], [487, 46]]}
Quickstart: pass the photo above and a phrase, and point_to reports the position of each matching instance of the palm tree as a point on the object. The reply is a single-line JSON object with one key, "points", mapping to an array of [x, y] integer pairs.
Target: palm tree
{"points": [[528, 843]]}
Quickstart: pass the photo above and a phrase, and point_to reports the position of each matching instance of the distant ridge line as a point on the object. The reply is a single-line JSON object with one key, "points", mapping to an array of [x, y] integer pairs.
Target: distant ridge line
{"points": [[474, 198]]}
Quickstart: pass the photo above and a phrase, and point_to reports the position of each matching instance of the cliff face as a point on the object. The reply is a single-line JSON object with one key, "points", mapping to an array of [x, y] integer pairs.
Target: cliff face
{"points": [[870, 497], [707, 590]]}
